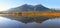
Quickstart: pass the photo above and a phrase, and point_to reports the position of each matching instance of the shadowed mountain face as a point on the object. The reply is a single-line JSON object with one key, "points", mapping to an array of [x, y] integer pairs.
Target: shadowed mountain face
{"points": [[40, 8], [22, 8], [26, 7]]}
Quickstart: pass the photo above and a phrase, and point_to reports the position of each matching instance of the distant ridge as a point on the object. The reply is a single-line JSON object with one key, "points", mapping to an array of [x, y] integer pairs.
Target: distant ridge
{"points": [[27, 8]]}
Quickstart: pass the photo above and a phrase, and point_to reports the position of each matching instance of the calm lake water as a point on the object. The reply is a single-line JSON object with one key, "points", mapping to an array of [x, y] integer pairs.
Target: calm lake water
{"points": [[10, 23]]}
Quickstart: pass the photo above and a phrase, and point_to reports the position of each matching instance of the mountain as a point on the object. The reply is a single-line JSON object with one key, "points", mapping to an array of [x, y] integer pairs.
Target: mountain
{"points": [[41, 8], [26, 7], [22, 8]]}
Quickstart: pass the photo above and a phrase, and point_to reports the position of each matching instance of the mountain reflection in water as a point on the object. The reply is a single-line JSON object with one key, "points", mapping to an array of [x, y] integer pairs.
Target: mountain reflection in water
{"points": [[25, 19], [25, 22]]}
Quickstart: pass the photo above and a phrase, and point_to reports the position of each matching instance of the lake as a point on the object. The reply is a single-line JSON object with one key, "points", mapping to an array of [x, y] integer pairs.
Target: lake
{"points": [[9, 22]]}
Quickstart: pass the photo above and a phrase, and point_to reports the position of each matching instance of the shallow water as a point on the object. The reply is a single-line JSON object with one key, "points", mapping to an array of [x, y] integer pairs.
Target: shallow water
{"points": [[9, 23]]}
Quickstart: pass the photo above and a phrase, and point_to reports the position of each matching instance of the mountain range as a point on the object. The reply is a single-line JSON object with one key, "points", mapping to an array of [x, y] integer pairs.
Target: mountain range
{"points": [[26, 8]]}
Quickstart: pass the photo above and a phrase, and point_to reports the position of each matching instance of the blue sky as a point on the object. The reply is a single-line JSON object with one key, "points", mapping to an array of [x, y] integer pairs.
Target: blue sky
{"points": [[16, 3]]}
